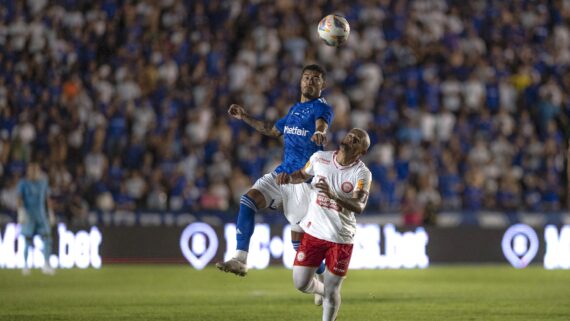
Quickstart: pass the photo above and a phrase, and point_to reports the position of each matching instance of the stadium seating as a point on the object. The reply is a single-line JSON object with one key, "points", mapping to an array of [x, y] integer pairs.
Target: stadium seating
{"points": [[124, 102]]}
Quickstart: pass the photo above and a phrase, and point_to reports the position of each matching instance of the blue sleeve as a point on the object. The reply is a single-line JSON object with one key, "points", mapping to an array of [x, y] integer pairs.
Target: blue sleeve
{"points": [[325, 112], [280, 124]]}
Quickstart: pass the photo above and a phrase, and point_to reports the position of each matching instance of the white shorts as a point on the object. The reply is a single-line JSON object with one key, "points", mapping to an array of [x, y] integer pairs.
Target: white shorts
{"points": [[293, 197]]}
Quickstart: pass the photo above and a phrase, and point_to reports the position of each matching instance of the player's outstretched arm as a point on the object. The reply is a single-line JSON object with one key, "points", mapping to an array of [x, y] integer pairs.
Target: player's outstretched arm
{"points": [[294, 178], [355, 204], [265, 127]]}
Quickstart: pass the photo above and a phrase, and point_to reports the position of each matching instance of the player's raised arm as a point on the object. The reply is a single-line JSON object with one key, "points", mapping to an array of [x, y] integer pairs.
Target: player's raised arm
{"points": [[320, 135], [265, 127]]}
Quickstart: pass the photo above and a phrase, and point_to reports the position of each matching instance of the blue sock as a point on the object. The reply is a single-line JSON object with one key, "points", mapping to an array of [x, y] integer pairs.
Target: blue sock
{"points": [[296, 245], [245, 222], [321, 268]]}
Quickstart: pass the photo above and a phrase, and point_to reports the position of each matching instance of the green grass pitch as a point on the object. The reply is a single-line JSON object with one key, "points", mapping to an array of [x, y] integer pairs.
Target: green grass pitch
{"points": [[124, 292]]}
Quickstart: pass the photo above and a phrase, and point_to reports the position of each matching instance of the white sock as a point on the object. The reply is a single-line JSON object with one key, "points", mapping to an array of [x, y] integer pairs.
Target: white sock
{"points": [[331, 299], [241, 256], [316, 287]]}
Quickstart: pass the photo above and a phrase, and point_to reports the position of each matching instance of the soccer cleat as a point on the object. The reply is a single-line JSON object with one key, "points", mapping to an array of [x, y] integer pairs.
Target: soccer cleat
{"points": [[26, 271], [318, 298], [48, 270], [234, 266]]}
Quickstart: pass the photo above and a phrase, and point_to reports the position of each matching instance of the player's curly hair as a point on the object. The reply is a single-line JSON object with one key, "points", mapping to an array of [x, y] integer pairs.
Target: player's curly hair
{"points": [[317, 68]]}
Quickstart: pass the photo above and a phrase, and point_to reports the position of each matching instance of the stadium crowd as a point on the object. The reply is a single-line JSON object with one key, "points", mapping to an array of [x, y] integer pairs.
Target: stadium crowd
{"points": [[124, 102]]}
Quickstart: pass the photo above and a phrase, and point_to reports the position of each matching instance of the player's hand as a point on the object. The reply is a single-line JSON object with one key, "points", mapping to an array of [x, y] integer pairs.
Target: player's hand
{"points": [[319, 139], [283, 178], [237, 111], [22, 216], [324, 188]]}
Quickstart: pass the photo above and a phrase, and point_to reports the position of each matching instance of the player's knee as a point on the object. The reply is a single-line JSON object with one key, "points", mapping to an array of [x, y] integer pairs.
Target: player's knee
{"points": [[331, 296], [257, 197], [328, 292], [302, 283]]}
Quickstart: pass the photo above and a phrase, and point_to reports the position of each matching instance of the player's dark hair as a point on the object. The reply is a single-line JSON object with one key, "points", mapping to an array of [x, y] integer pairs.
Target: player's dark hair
{"points": [[317, 68]]}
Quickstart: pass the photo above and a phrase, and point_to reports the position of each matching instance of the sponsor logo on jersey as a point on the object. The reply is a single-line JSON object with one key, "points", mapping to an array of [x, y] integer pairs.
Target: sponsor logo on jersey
{"points": [[361, 184], [295, 131], [347, 187], [326, 202], [341, 265]]}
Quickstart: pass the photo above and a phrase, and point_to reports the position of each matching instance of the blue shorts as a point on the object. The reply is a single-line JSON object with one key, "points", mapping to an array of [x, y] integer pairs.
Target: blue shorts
{"points": [[35, 227]]}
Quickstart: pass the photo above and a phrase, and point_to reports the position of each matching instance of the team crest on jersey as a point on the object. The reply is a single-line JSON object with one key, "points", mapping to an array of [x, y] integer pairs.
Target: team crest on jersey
{"points": [[347, 187], [300, 256]]}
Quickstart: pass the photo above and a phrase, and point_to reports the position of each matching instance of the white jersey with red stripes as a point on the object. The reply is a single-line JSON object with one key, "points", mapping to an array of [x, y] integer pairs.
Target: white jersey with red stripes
{"points": [[326, 219]]}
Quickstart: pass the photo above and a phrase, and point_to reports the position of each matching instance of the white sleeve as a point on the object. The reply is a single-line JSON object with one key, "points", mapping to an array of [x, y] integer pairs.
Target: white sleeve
{"points": [[309, 168], [363, 180]]}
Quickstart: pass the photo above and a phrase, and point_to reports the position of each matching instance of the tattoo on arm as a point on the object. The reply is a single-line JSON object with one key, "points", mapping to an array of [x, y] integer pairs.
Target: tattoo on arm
{"points": [[264, 127], [299, 177]]}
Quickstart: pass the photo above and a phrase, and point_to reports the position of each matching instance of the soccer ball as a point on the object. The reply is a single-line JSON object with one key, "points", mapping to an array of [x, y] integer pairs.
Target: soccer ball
{"points": [[334, 30]]}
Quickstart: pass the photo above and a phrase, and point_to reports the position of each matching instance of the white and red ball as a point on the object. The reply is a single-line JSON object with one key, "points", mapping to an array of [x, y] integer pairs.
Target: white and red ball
{"points": [[334, 30]]}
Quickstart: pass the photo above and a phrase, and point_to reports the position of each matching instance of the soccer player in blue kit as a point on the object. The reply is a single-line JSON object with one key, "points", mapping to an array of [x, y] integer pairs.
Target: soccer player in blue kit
{"points": [[304, 130], [35, 214]]}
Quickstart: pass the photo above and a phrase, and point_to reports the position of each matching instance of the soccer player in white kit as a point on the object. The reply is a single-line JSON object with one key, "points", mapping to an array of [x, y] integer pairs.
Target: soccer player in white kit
{"points": [[341, 184]]}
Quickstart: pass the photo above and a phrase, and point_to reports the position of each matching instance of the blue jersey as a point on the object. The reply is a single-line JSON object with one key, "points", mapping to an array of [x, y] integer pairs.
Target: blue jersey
{"points": [[297, 129], [34, 194]]}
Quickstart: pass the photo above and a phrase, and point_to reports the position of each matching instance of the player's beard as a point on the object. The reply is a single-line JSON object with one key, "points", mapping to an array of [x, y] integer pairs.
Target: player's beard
{"points": [[309, 93], [347, 147]]}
